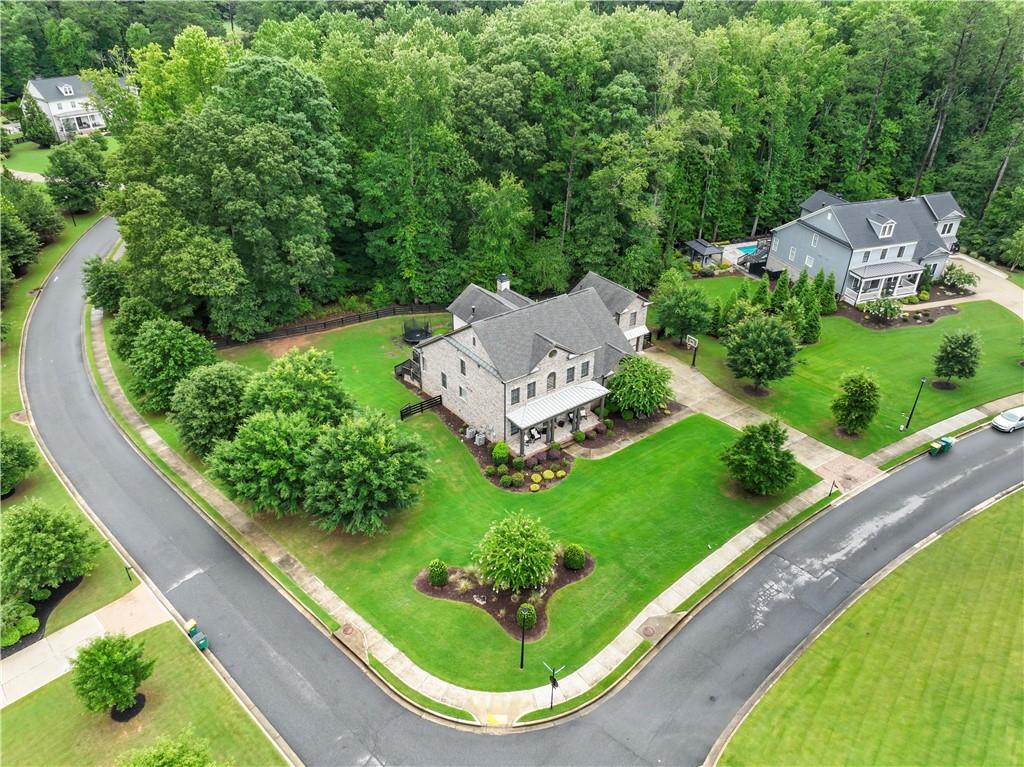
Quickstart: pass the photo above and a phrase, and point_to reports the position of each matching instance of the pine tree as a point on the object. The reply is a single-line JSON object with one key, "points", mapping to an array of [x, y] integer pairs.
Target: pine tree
{"points": [[802, 285], [827, 295], [762, 296], [792, 313], [810, 332], [781, 293], [35, 125], [715, 325]]}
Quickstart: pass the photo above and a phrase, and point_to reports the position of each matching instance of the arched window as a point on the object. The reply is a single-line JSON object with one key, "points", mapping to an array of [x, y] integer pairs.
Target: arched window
{"points": [[551, 381]]}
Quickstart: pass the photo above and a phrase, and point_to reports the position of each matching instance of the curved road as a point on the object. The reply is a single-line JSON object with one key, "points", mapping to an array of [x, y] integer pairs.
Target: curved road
{"points": [[326, 707]]}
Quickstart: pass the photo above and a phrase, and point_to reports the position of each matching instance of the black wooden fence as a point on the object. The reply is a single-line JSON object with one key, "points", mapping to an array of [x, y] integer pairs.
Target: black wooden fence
{"points": [[335, 322], [419, 407]]}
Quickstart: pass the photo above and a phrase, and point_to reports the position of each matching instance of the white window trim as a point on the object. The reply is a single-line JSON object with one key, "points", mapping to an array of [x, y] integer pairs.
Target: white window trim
{"points": [[775, 245], [882, 256], [808, 261], [886, 230], [947, 228], [792, 253], [814, 240]]}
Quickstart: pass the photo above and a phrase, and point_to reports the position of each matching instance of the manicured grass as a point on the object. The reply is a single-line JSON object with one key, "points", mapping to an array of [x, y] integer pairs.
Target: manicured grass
{"points": [[29, 157], [924, 669], [593, 692], [108, 580], [417, 697], [716, 288], [923, 447], [898, 358], [51, 727], [688, 508]]}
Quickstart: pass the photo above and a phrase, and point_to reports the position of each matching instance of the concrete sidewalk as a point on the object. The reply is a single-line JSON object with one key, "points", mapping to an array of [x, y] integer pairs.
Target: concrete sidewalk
{"points": [[50, 657], [26, 175]]}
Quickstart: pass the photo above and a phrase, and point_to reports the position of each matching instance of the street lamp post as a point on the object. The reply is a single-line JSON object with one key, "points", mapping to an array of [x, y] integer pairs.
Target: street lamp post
{"points": [[521, 616], [920, 388]]}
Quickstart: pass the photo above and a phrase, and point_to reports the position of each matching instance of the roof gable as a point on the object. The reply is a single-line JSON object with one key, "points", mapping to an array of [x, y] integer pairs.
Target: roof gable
{"points": [[615, 297]]}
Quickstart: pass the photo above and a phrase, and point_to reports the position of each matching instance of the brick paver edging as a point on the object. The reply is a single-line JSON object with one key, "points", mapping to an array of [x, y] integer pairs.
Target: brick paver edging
{"points": [[495, 709]]}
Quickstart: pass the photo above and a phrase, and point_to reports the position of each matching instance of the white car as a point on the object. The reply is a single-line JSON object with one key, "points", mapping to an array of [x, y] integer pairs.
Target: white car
{"points": [[1009, 420]]}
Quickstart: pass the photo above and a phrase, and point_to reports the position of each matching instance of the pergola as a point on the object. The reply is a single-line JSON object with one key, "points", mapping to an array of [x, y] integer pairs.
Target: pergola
{"points": [[565, 409], [703, 250]]}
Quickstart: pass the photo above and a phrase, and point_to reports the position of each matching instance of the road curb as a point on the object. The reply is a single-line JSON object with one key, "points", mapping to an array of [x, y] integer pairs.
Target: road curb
{"points": [[715, 754]]}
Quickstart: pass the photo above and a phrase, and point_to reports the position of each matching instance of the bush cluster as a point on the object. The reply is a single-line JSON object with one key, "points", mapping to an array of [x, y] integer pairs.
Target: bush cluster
{"points": [[574, 558], [437, 573], [500, 453]]}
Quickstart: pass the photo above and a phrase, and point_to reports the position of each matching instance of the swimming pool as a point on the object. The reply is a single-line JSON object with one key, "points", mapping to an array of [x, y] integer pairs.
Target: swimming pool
{"points": [[747, 249]]}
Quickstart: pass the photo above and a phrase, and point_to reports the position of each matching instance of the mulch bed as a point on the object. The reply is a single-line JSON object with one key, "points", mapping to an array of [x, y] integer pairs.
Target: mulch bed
{"points": [[944, 385], [43, 610], [908, 319], [129, 713], [941, 293], [622, 428], [502, 605]]}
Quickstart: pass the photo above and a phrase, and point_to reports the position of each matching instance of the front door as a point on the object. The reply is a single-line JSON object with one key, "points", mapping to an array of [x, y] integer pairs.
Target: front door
{"points": [[889, 285]]}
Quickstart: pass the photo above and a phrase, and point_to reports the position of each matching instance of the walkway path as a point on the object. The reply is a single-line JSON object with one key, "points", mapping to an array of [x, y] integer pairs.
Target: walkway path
{"points": [[26, 175], [50, 657], [694, 391], [993, 285]]}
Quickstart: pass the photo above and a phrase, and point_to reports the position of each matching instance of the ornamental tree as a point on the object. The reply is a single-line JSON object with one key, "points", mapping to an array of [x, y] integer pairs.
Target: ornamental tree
{"points": [[810, 331], [104, 282], [781, 294], [883, 309], [108, 671], [36, 126], [132, 314], [959, 279], [759, 461], [857, 404], [640, 385], [802, 286], [183, 750], [516, 553], [958, 355], [76, 175], [305, 381], [34, 207], [207, 405], [682, 307], [18, 459], [792, 313], [827, 295], [266, 460], [20, 244], [762, 295], [164, 352], [43, 547], [361, 471], [762, 349]]}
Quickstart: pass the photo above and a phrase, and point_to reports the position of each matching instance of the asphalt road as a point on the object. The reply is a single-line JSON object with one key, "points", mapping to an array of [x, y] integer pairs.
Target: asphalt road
{"points": [[331, 713]]}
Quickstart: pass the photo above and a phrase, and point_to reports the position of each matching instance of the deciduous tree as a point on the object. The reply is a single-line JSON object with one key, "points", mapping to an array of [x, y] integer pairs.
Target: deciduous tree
{"points": [[857, 403], [640, 385], [682, 307], [207, 405], [958, 355], [133, 312], [107, 673], [762, 349], [104, 283], [76, 175], [759, 461], [18, 459], [164, 352], [301, 381]]}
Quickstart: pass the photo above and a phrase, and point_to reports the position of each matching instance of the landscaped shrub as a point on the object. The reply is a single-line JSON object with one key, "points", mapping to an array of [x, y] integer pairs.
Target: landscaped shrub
{"points": [[500, 453], [207, 405], [589, 435], [437, 573], [506, 479], [574, 558], [526, 616], [924, 295], [541, 456], [959, 279], [16, 620], [857, 405], [707, 271], [518, 479], [518, 462], [759, 460], [517, 552], [601, 428], [164, 352], [883, 309], [609, 423], [535, 477], [548, 474], [640, 385], [502, 470], [560, 474], [627, 415], [18, 458], [911, 300], [555, 446], [534, 487], [490, 470], [579, 436], [530, 462], [554, 455]]}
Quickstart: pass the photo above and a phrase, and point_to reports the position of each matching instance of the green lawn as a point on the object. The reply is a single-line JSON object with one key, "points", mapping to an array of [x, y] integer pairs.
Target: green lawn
{"points": [[108, 581], [898, 358], [1017, 278], [689, 508], [51, 727], [29, 157], [925, 669]]}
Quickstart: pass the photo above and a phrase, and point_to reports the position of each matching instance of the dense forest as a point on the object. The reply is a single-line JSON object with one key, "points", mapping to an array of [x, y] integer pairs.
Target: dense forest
{"points": [[281, 155]]}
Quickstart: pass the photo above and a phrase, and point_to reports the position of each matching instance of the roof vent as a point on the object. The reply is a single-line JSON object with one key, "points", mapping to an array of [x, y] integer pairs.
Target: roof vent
{"points": [[472, 312]]}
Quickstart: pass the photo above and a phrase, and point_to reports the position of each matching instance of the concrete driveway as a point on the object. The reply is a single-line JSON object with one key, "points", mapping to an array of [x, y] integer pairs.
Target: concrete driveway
{"points": [[993, 285]]}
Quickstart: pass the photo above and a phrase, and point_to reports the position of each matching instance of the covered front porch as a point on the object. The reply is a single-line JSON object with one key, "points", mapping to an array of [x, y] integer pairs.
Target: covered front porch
{"points": [[871, 281], [554, 417]]}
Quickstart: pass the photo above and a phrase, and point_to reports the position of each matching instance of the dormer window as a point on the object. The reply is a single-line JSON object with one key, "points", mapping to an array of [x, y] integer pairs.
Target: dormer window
{"points": [[66, 90], [946, 229], [886, 230]]}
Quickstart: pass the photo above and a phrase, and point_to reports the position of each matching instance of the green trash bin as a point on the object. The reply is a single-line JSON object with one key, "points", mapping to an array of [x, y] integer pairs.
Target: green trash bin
{"points": [[201, 640]]}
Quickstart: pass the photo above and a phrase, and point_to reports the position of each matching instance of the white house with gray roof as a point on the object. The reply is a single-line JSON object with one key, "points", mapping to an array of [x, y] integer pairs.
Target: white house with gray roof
{"points": [[67, 102], [875, 248], [530, 372]]}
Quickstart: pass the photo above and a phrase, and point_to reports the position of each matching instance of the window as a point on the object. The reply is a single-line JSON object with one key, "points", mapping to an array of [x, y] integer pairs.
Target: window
{"points": [[515, 396], [792, 254], [551, 381], [947, 229], [553, 352], [462, 393], [585, 369], [66, 90], [814, 240], [462, 367], [808, 261], [871, 285], [514, 430], [775, 245], [474, 340], [60, 106], [899, 253], [886, 230], [531, 390], [570, 374], [632, 319], [855, 282], [617, 318], [883, 254], [444, 380]]}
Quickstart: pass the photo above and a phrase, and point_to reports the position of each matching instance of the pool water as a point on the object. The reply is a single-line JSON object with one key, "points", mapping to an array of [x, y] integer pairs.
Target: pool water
{"points": [[747, 249]]}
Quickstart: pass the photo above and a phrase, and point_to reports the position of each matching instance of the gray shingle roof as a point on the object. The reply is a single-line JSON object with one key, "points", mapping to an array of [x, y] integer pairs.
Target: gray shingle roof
{"points": [[942, 204], [821, 199], [914, 221], [486, 303], [579, 322], [615, 297], [49, 90], [703, 247]]}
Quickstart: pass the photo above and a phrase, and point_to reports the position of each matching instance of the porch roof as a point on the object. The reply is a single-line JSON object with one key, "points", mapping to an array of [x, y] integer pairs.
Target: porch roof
{"points": [[874, 271], [559, 401], [639, 330]]}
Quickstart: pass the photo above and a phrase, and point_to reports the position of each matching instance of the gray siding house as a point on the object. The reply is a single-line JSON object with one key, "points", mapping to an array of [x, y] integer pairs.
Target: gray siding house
{"points": [[67, 103], [530, 372], [875, 248]]}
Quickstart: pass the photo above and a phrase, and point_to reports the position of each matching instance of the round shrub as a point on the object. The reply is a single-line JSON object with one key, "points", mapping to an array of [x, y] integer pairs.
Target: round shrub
{"points": [[534, 487], [535, 477], [518, 479], [560, 474], [548, 474], [500, 453], [526, 616], [555, 446], [541, 456], [924, 295], [579, 436], [608, 424], [530, 462], [518, 462], [502, 469], [911, 300], [627, 415], [554, 455], [437, 573], [506, 479], [601, 428], [574, 558], [589, 435], [490, 470]]}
